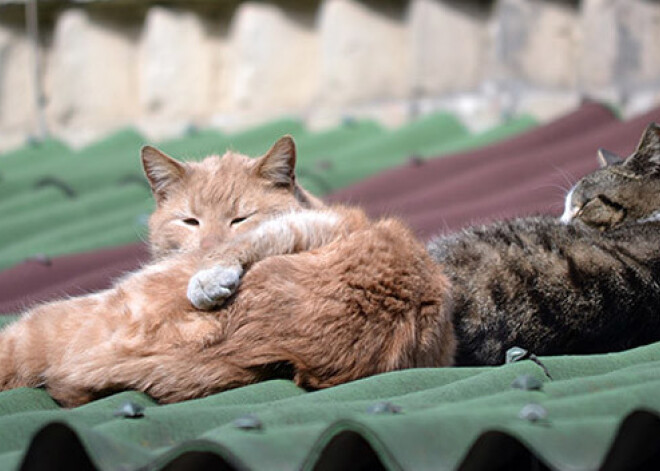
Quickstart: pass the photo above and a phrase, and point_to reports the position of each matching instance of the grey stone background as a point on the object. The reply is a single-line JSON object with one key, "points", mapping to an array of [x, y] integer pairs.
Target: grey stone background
{"points": [[168, 65]]}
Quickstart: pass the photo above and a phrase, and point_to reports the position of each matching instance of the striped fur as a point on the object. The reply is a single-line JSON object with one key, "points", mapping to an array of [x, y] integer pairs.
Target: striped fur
{"points": [[586, 283]]}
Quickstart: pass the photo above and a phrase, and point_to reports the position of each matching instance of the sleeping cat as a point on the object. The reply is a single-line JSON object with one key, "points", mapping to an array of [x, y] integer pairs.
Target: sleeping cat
{"points": [[326, 295], [623, 191], [587, 283]]}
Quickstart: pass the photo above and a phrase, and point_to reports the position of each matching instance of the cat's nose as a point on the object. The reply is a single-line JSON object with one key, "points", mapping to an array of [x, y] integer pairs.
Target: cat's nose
{"points": [[210, 242]]}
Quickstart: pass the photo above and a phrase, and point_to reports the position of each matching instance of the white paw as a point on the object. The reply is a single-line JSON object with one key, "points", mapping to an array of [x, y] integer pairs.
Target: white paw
{"points": [[210, 288]]}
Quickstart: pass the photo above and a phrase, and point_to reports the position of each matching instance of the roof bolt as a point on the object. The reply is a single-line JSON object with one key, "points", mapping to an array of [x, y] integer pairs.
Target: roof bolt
{"points": [[527, 383], [40, 258], [383, 408], [515, 354], [415, 160], [348, 120], [324, 164], [130, 410], [533, 412], [248, 422]]}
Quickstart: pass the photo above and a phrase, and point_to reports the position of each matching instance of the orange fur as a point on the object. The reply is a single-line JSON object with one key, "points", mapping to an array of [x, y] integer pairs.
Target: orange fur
{"points": [[330, 299]]}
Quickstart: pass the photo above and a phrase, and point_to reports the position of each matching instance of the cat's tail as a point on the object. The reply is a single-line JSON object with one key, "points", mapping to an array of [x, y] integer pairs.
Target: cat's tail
{"points": [[7, 364], [17, 362], [30, 345]]}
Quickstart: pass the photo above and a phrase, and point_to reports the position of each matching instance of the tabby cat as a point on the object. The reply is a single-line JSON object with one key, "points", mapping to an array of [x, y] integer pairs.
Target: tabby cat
{"points": [[586, 283], [326, 295]]}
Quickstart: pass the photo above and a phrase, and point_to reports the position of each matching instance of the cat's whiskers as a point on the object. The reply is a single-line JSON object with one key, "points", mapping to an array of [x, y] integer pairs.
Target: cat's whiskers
{"points": [[562, 192], [556, 205], [568, 177], [444, 222], [141, 235]]}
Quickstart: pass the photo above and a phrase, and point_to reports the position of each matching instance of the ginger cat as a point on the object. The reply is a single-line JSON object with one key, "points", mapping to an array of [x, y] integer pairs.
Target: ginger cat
{"points": [[326, 295]]}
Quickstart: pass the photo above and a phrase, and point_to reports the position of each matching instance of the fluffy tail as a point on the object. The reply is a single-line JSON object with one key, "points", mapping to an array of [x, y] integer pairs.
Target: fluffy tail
{"points": [[16, 366]]}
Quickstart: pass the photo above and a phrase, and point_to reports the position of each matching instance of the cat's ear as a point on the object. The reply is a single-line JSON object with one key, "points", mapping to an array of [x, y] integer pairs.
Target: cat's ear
{"points": [[649, 145], [606, 158], [646, 159], [278, 164], [162, 171]]}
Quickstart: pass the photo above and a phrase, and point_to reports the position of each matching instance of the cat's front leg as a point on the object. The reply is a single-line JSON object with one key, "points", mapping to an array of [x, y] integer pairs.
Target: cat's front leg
{"points": [[287, 233], [209, 288]]}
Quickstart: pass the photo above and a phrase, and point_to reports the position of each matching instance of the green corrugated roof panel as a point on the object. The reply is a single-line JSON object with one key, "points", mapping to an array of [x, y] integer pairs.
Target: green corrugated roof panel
{"points": [[88, 207], [497, 133], [254, 141], [257, 141], [31, 153], [81, 170], [194, 145], [117, 229], [104, 163], [121, 225], [32, 201], [317, 147], [17, 168], [394, 148], [428, 137], [413, 419], [112, 146], [315, 151]]}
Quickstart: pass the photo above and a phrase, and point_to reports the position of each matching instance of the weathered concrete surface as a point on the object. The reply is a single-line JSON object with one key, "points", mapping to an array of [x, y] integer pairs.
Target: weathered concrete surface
{"points": [[536, 42], [620, 58], [274, 59], [448, 46], [91, 78], [234, 64], [547, 104], [175, 66], [363, 53], [17, 97]]}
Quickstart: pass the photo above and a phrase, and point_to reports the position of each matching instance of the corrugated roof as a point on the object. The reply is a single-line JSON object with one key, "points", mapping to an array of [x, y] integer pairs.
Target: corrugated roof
{"points": [[566, 413], [597, 412]]}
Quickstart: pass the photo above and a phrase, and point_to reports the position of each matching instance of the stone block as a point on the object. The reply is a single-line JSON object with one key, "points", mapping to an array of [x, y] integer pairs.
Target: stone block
{"points": [[274, 59], [92, 76], [640, 101], [363, 53], [176, 61], [620, 47], [17, 95], [388, 113], [546, 105], [447, 43], [535, 42]]}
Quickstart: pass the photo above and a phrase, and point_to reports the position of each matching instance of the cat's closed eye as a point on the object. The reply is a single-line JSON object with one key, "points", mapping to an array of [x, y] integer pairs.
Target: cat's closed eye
{"points": [[238, 220], [601, 212], [191, 222]]}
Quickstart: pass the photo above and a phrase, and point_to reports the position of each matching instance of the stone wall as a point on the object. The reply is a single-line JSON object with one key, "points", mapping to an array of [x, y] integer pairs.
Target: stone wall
{"points": [[17, 100], [92, 74], [166, 66]]}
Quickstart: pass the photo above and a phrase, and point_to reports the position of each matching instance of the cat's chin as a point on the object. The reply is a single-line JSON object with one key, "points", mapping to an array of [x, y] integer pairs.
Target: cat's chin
{"points": [[569, 210], [654, 217]]}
